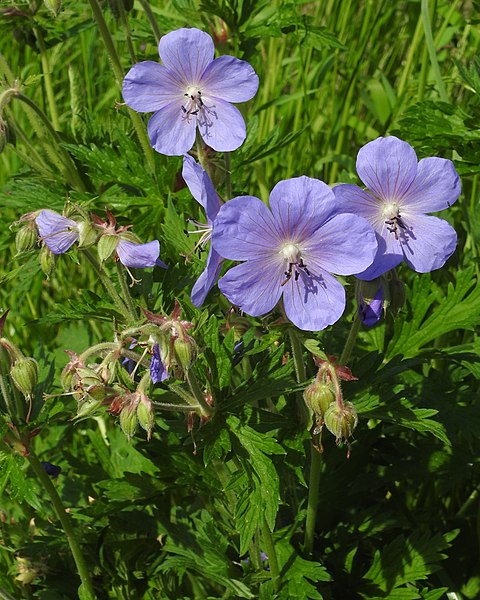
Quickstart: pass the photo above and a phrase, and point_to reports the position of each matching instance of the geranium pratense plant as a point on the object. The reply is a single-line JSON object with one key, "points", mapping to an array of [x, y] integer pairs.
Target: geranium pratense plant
{"points": [[191, 89], [291, 250], [400, 190], [201, 188]]}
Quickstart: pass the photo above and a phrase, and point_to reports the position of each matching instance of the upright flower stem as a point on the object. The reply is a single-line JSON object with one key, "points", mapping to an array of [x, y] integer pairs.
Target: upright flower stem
{"points": [[432, 52], [52, 105], [62, 155], [300, 372], [119, 303], [118, 72], [127, 297], [228, 177], [207, 410], [151, 19], [269, 548], [316, 458], [66, 524]]}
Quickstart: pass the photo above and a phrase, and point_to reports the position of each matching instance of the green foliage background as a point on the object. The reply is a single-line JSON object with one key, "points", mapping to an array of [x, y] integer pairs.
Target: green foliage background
{"points": [[174, 517]]}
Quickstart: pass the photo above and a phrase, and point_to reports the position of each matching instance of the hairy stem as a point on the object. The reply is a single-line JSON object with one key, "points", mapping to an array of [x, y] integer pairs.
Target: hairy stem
{"points": [[269, 548], [66, 524]]}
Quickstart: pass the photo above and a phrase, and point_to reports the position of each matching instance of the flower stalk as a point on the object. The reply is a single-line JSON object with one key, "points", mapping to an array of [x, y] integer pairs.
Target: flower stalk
{"points": [[66, 523]]}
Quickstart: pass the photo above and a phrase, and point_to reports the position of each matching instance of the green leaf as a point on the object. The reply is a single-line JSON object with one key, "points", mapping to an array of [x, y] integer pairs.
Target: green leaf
{"points": [[433, 313], [406, 561]]}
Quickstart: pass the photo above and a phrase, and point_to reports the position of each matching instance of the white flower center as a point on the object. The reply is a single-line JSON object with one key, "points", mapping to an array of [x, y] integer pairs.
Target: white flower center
{"points": [[193, 101], [294, 264], [393, 219]]}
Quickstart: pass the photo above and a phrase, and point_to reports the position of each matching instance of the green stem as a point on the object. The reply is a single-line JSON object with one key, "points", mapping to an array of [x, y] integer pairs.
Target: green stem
{"points": [[127, 297], [47, 78], [350, 343], [66, 524], [432, 52], [207, 410], [128, 34], [269, 549], [118, 72], [316, 458], [228, 177], [151, 18], [313, 495], [297, 353], [66, 160], [119, 303], [5, 595], [6, 396]]}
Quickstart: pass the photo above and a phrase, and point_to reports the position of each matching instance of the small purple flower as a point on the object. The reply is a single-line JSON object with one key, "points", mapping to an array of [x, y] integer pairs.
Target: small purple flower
{"points": [[52, 470], [191, 88], [201, 188], [291, 250], [158, 369], [57, 232], [139, 256], [400, 190], [371, 310]]}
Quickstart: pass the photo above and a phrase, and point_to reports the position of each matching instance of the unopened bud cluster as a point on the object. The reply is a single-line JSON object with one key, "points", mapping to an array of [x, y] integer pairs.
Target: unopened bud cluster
{"points": [[324, 398]]}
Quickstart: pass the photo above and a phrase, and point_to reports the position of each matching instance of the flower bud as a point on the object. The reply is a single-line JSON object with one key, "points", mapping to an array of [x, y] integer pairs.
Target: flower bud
{"points": [[87, 234], [341, 420], [24, 373], [318, 396], [372, 299], [47, 261], [26, 238], [128, 421], [106, 246], [145, 415], [185, 349], [54, 6]]}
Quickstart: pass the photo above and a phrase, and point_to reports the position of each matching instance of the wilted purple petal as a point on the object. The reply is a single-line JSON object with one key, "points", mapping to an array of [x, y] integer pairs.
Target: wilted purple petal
{"points": [[207, 279], [171, 132], [429, 243], [57, 232], [231, 79], [221, 125], [387, 166], [314, 302], [158, 370], [187, 52], [245, 229], [148, 87], [301, 219], [253, 286], [138, 256], [436, 186]]}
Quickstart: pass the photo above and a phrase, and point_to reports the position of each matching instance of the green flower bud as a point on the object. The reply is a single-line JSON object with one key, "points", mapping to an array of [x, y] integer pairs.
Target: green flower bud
{"points": [[87, 234], [128, 421], [145, 415], [47, 261], [26, 238], [24, 373], [341, 420], [185, 349], [318, 396], [87, 406], [54, 6], [106, 246]]}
